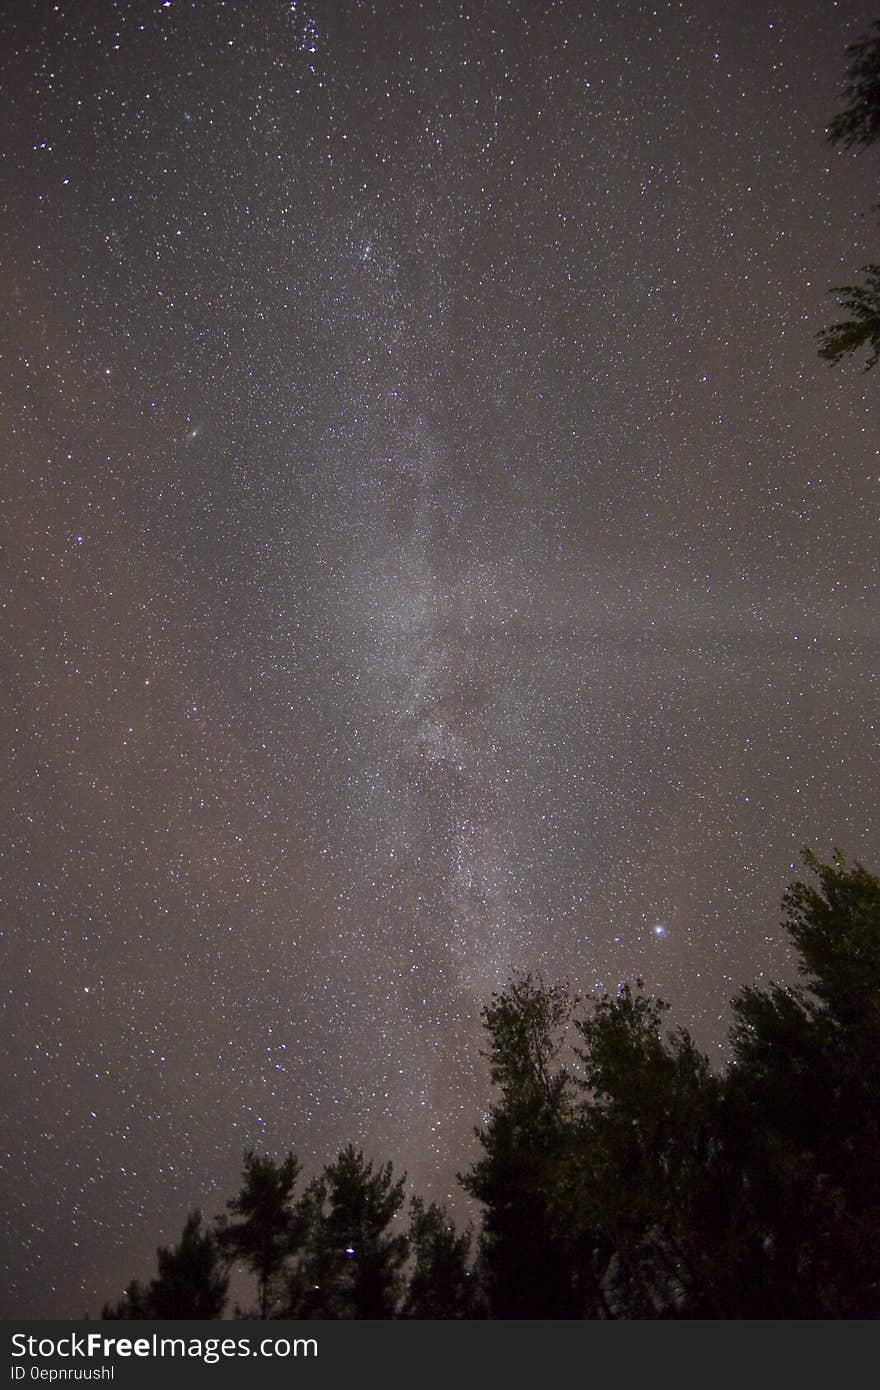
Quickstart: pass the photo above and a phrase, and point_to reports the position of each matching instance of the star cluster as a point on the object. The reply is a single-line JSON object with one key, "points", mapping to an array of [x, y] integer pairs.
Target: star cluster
{"points": [[434, 551]]}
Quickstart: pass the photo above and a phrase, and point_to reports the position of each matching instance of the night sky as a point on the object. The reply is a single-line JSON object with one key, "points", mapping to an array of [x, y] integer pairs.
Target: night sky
{"points": [[433, 550]]}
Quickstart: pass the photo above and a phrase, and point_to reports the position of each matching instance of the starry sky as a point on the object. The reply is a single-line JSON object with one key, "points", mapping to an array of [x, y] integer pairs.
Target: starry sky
{"points": [[433, 550]]}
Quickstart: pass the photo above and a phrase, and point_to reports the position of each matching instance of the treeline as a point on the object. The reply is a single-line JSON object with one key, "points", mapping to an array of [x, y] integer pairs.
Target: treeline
{"points": [[334, 1252], [620, 1176]]}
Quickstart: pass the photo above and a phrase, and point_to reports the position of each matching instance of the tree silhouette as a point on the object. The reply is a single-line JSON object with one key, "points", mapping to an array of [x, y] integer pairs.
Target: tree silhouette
{"points": [[858, 124], [643, 1141], [191, 1282], [269, 1231], [524, 1262], [806, 1084], [351, 1261], [633, 1182], [862, 328], [642, 1185], [133, 1304], [440, 1285]]}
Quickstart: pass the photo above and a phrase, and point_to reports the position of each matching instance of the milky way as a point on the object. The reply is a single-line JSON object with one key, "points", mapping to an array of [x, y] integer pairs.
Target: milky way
{"points": [[434, 551]]}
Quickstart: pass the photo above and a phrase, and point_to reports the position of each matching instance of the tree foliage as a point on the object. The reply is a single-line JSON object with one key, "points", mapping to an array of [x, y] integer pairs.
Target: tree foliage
{"points": [[352, 1257], [620, 1175], [441, 1283], [640, 1184], [857, 124], [862, 328], [192, 1281], [806, 1087], [269, 1229], [859, 121], [524, 1263], [644, 1143]]}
